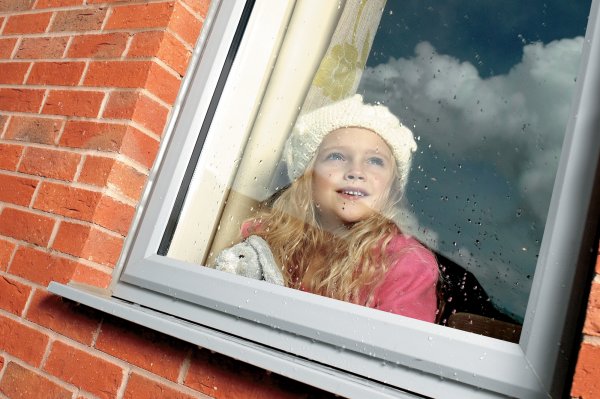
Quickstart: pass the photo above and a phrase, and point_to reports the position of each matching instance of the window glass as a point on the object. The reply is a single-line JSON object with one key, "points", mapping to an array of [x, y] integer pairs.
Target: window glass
{"points": [[484, 87], [487, 88]]}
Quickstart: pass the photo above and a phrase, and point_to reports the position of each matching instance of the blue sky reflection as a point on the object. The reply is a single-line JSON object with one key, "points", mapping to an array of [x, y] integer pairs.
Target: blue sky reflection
{"points": [[487, 87]]}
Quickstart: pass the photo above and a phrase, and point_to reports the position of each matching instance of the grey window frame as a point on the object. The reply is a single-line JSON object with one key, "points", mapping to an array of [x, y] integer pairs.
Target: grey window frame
{"points": [[340, 347]]}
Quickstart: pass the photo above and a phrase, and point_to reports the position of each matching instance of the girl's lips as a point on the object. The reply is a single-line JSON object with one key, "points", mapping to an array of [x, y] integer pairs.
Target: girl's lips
{"points": [[353, 193]]}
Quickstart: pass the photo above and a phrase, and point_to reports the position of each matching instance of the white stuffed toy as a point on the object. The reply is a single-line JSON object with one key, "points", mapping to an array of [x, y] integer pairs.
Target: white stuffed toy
{"points": [[250, 258]]}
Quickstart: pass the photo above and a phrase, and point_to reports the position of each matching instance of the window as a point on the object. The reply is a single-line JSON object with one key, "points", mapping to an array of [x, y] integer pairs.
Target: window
{"points": [[253, 75]]}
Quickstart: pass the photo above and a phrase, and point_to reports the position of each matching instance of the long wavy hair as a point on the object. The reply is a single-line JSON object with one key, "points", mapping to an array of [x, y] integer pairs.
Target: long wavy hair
{"points": [[347, 264]]}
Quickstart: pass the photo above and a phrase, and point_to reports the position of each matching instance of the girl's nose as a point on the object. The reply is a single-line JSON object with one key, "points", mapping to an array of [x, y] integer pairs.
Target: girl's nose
{"points": [[354, 173]]}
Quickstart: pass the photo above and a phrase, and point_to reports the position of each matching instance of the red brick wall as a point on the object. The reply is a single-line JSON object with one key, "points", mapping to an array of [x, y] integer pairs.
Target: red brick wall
{"points": [[86, 87], [586, 382]]}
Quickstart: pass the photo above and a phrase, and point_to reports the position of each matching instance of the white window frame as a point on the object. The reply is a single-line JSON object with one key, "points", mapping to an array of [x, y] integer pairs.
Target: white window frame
{"points": [[340, 347]]}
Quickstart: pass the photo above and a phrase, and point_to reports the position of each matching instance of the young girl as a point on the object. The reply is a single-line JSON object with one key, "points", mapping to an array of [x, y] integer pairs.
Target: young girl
{"points": [[331, 231]]}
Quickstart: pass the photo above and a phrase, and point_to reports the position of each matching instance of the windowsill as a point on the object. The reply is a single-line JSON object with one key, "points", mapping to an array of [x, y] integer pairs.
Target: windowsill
{"points": [[289, 365]]}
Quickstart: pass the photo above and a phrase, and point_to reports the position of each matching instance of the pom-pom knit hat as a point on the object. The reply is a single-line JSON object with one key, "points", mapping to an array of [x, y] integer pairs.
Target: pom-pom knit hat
{"points": [[312, 127]]}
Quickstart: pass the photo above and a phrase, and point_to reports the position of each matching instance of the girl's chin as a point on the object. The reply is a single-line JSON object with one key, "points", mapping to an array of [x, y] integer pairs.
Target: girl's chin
{"points": [[355, 217], [346, 216]]}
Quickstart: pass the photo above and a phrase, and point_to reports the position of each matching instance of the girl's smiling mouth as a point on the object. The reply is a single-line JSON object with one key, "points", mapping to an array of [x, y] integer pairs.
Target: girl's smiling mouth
{"points": [[352, 193]]}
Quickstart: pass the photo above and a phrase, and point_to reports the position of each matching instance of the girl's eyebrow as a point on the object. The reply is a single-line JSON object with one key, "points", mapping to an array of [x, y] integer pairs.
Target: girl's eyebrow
{"points": [[332, 148], [369, 151], [378, 153]]}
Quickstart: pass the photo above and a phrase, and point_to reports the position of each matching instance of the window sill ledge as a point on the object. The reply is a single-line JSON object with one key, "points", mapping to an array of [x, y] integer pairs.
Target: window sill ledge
{"points": [[306, 371]]}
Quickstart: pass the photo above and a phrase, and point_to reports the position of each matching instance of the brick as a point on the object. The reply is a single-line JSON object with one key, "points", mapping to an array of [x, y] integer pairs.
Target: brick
{"points": [[93, 135], [127, 181], [137, 107], [109, 45], [3, 122], [21, 100], [42, 47], [121, 104], [13, 72], [56, 73], [223, 377], [17, 190], [95, 170], [151, 115], [586, 384], [162, 84], [9, 156], [21, 383], [592, 320], [41, 267], [12, 336], [137, 16], [15, 5], [107, 172], [76, 203], [56, 164], [145, 44], [185, 24], [64, 317], [132, 74], [199, 6], [174, 54], [93, 277], [114, 215], [6, 47], [87, 242], [142, 347], [162, 45], [114, 1], [33, 129], [86, 20], [26, 226], [57, 3], [73, 103], [139, 147], [141, 387], [27, 23], [13, 295], [6, 251], [99, 376]]}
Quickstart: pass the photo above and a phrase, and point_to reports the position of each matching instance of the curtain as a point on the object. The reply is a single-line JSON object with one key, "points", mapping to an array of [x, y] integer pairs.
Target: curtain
{"points": [[321, 60], [340, 70]]}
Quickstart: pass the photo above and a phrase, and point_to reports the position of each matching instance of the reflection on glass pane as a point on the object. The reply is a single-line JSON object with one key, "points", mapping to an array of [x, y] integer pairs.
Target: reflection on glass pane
{"points": [[485, 87]]}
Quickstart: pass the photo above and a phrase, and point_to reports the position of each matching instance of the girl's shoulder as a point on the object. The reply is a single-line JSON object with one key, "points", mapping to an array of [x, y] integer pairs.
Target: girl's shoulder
{"points": [[404, 242], [405, 249]]}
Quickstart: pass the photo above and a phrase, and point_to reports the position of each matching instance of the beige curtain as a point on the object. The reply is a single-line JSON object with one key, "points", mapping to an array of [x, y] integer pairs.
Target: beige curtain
{"points": [[306, 39], [321, 60]]}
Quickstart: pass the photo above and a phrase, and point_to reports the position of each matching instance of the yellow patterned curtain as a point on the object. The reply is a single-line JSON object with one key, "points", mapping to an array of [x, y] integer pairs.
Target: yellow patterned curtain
{"points": [[340, 70]]}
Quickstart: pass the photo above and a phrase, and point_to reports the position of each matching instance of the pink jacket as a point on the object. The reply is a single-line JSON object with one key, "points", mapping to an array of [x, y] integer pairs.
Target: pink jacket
{"points": [[409, 286]]}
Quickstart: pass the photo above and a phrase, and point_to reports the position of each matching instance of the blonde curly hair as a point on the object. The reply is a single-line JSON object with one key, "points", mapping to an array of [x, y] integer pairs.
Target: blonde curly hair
{"points": [[356, 255]]}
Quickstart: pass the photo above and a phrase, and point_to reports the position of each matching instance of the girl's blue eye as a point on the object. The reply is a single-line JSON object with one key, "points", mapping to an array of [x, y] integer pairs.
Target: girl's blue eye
{"points": [[335, 156], [376, 161]]}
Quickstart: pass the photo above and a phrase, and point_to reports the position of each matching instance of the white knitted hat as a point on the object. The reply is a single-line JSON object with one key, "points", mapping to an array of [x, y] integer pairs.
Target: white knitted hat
{"points": [[312, 127]]}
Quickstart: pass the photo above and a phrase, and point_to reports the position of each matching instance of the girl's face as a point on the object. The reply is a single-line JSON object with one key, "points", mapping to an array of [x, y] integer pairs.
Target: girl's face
{"points": [[352, 176]]}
